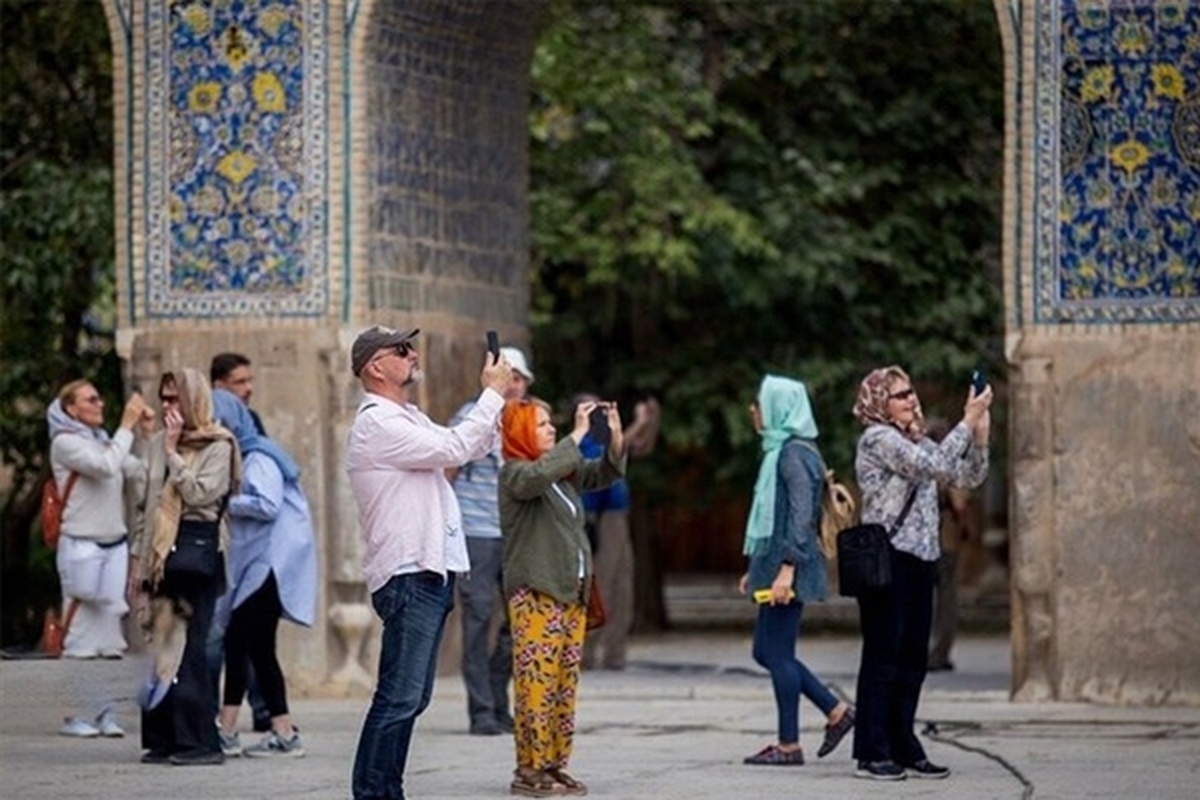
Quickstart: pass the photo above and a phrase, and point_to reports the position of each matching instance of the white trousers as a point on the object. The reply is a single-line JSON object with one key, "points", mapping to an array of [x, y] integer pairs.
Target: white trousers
{"points": [[95, 576]]}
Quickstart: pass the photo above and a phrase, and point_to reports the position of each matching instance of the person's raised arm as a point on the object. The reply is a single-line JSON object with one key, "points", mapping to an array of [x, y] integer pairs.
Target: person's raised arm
{"points": [[260, 496], [528, 479], [642, 434]]}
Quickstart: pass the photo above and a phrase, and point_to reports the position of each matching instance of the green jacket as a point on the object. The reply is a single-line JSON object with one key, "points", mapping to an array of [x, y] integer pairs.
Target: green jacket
{"points": [[544, 542]]}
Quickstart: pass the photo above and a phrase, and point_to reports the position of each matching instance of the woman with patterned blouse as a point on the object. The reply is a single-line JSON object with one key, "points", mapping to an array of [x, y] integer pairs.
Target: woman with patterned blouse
{"points": [[896, 458]]}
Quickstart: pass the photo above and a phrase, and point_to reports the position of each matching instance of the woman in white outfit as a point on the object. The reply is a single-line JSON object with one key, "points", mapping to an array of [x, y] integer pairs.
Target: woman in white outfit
{"points": [[93, 554]]}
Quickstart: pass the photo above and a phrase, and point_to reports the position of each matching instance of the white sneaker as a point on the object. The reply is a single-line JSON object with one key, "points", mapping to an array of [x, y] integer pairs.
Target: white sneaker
{"points": [[275, 745], [231, 743], [106, 724], [79, 728]]}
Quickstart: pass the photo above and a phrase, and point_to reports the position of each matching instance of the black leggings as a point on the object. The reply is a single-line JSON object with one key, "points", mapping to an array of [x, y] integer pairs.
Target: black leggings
{"points": [[251, 635]]}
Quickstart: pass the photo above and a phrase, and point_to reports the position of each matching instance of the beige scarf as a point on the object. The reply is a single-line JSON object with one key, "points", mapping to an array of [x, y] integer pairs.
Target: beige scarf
{"points": [[200, 429]]}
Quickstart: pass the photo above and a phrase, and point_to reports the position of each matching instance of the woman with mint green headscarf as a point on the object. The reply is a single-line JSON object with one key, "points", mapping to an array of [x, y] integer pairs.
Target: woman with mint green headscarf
{"points": [[787, 565]]}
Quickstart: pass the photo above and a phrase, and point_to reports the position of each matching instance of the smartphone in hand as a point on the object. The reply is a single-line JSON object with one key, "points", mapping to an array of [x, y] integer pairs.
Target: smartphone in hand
{"points": [[598, 425], [493, 345], [978, 381]]}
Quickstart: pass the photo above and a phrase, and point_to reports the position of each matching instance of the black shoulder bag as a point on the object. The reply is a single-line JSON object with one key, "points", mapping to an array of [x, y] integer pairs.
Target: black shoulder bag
{"points": [[196, 552], [864, 554]]}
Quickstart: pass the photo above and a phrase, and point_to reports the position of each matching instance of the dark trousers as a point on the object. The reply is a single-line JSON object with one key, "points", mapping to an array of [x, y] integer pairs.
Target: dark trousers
{"points": [[183, 723], [215, 653], [895, 629], [945, 616], [486, 670], [250, 639]]}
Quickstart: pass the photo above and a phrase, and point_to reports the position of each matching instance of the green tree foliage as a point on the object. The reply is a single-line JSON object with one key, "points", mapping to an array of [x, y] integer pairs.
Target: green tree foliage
{"points": [[56, 259], [725, 189]]}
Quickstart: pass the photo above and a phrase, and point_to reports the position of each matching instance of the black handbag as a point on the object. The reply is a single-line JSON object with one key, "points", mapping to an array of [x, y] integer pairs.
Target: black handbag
{"points": [[196, 552], [864, 554]]}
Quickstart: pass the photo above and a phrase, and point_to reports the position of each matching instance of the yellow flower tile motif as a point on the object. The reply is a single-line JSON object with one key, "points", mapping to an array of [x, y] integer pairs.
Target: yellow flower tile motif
{"points": [[1168, 81], [244, 164], [196, 17], [204, 97], [269, 94], [1130, 156], [1097, 84], [235, 167], [272, 19]]}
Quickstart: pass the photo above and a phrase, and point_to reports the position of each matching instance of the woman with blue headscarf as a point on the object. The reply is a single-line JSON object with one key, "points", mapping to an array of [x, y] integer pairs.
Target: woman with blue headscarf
{"points": [[273, 574], [787, 565]]}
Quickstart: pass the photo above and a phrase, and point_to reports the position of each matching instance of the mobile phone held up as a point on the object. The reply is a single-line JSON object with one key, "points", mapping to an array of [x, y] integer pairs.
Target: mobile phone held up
{"points": [[493, 345], [978, 381], [598, 425]]}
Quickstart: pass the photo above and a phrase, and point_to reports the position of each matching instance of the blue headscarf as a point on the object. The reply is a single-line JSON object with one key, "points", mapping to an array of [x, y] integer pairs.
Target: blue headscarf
{"points": [[231, 412], [786, 412]]}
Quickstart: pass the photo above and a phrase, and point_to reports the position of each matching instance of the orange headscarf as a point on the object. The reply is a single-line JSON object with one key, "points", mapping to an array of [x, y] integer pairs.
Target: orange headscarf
{"points": [[518, 429]]}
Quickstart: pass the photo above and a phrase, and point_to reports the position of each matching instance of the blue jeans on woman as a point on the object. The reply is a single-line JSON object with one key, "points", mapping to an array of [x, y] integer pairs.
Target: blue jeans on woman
{"points": [[413, 608], [775, 636]]}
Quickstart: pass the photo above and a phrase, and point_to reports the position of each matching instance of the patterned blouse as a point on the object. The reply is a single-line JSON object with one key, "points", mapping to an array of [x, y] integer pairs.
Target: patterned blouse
{"points": [[888, 464]]}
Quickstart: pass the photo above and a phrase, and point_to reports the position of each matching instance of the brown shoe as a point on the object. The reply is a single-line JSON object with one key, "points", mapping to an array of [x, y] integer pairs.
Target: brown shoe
{"points": [[570, 785], [533, 783]]}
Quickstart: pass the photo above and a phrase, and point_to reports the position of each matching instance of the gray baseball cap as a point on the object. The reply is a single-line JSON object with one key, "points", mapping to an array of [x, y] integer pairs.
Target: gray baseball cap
{"points": [[374, 339]]}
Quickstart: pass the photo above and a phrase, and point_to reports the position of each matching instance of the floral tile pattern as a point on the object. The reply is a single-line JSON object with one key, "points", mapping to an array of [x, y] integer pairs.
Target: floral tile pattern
{"points": [[1118, 161], [236, 151]]}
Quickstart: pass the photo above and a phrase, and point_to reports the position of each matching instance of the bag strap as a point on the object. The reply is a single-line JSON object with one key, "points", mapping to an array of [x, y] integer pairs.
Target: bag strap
{"points": [[912, 495], [70, 485], [825, 473]]}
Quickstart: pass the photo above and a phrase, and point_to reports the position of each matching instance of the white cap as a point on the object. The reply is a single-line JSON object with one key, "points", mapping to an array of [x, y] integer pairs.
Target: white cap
{"points": [[517, 359]]}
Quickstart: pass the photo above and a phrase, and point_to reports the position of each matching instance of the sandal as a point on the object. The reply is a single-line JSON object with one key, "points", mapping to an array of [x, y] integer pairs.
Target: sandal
{"points": [[570, 785], [532, 783]]}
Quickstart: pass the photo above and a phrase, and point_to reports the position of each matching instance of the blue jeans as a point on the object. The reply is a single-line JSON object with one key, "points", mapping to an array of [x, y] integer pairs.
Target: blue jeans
{"points": [[413, 608], [775, 635]]}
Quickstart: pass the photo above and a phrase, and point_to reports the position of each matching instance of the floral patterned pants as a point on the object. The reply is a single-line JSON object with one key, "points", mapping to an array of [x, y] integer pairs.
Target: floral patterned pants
{"points": [[547, 651]]}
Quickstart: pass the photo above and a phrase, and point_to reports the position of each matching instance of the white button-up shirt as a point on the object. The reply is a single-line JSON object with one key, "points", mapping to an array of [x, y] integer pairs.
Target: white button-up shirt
{"points": [[408, 514]]}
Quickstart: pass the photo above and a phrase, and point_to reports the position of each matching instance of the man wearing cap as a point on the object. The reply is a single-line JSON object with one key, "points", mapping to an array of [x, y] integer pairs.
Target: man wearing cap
{"points": [[412, 532], [486, 670]]}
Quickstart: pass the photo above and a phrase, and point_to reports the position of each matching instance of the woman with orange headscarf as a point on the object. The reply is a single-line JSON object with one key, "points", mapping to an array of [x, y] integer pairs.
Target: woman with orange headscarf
{"points": [[547, 568]]}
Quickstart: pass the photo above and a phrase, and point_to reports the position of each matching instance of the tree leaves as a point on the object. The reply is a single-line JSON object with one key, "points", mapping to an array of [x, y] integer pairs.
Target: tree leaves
{"points": [[723, 189]]}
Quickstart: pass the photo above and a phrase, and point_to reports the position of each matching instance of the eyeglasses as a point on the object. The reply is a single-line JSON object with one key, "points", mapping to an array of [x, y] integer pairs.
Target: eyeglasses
{"points": [[94, 399], [168, 398], [903, 394], [402, 350]]}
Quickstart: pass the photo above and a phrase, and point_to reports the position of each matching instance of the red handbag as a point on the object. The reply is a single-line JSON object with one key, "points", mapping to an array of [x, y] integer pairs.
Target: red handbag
{"points": [[596, 614]]}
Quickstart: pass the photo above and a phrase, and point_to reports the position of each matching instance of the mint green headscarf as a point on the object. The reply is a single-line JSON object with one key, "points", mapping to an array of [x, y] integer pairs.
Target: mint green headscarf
{"points": [[786, 412]]}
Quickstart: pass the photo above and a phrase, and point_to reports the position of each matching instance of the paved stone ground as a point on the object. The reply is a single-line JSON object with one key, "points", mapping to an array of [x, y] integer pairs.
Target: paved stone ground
{"points": [[676, 724]]}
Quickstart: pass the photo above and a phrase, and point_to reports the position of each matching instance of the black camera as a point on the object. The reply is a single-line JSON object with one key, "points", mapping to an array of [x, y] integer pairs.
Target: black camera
{"points": [[598, 425]]}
